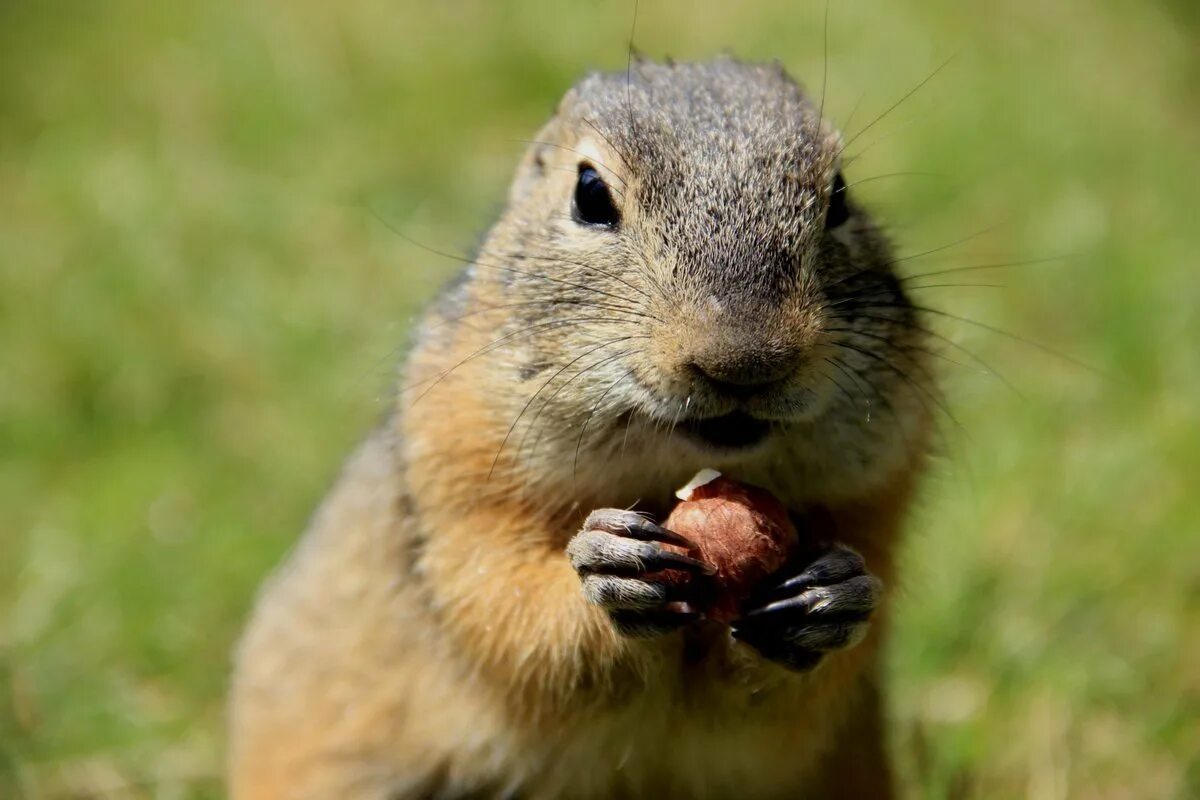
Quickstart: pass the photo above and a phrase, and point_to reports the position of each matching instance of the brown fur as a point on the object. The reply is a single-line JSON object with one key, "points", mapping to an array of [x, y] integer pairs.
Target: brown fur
{"points": [[429, 638]]}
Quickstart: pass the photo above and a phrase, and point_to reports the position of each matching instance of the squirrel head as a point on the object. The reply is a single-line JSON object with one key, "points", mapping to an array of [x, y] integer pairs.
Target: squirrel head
{"points": [[680, 278]]}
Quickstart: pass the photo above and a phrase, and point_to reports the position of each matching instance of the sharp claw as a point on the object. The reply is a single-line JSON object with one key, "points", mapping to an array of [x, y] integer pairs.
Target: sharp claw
{"points": [[780, 613], [801, 604], [633, 525], [820, 605], [838, 565], [805, 580], [653, 532]]}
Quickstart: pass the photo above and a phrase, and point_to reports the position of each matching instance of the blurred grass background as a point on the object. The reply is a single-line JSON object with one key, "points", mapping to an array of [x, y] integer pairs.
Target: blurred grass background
{"points": [[200, 314]]}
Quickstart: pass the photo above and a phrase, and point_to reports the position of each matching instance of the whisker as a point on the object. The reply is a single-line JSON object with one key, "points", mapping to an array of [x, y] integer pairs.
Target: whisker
{"points": [[592, 413], [903, 349], [845, 393], [873, 178], [926, 331], [976, 267], [610, 142], [546, 403], [476, 262], [853, 111], [897, 104], [897, 129], [885, 292], [916, 385], [1000, 331], [539, 303], [958, 286], [540, 276], [493, 345], [654, 284], [914, 256], [824, 64], [542, 388], [896, 261], [629, 69], [841, 366], [392, 352], [561, 260], [625, 438], [904, 279], [875, 394]]}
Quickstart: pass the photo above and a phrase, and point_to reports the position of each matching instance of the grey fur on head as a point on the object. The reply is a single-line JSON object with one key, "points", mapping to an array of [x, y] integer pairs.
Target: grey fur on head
{"points": [[725, 290], [733, 159]]}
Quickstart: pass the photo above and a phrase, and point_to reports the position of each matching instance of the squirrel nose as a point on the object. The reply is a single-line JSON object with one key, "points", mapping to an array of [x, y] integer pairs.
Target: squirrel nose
{"points": [[742, 373]]}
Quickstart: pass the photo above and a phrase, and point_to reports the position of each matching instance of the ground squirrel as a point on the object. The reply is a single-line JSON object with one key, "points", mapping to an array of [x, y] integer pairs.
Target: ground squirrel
{"points": [[679, 280]]}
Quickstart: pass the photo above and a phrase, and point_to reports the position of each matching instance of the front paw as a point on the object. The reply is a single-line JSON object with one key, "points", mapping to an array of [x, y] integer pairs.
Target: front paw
{"points": [[826, 607], [620, 558]]}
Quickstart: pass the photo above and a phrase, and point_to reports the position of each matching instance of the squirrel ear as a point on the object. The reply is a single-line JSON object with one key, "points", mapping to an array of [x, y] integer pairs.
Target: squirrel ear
{"points": [[569, 99]]}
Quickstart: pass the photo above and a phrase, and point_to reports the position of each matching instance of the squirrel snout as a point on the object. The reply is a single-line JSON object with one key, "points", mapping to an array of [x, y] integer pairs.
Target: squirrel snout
{"points": [[742, 371]]}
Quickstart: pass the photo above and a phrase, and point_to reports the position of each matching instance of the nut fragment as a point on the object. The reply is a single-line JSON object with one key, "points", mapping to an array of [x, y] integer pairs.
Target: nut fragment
{"points": [[740, 529]]}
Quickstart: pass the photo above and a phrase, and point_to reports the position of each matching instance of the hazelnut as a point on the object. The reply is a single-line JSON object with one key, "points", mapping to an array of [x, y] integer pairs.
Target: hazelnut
{"points": [[741, 530]]}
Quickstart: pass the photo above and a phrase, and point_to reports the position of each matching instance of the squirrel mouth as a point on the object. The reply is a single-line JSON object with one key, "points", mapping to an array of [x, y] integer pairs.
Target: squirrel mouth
{"points": [[734, 431]]}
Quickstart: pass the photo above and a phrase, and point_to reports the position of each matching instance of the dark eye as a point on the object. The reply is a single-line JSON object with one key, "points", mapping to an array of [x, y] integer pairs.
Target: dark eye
{"points": [[838, 211], [593, 204]]}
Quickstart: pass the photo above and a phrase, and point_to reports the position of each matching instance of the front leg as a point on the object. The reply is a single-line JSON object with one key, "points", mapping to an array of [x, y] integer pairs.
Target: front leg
{"points": [[825, 607], [620, 558]]}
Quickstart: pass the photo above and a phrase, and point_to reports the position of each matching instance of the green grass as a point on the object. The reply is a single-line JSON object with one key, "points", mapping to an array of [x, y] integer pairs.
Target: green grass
{"points": [[200, 314]]}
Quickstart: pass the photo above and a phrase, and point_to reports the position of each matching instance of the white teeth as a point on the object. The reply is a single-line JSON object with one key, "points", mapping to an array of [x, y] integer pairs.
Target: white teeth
{"points": [[699, 479]]}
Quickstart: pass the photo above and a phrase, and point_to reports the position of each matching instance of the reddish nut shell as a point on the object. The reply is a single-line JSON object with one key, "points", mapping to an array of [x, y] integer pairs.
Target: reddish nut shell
{"points": [[741, 530]]}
